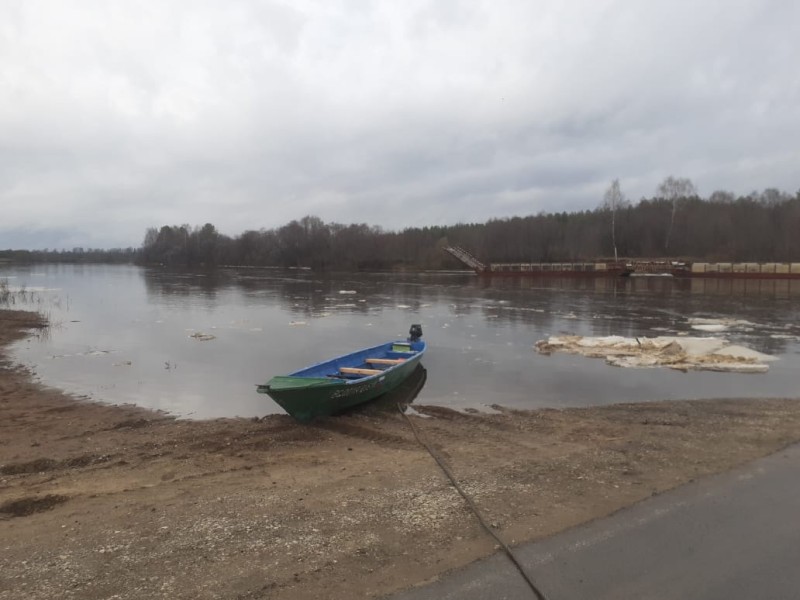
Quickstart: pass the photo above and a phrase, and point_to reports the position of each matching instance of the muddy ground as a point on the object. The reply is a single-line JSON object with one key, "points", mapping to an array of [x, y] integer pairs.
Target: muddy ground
{"points": [[108, 502]]}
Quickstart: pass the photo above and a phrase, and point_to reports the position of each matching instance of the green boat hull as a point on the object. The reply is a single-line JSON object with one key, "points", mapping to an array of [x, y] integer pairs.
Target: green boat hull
{"points": [[306, 398]]}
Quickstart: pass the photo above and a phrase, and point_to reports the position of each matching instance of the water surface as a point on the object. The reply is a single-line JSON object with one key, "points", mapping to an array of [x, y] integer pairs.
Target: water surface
{"points": [[122, 334]]}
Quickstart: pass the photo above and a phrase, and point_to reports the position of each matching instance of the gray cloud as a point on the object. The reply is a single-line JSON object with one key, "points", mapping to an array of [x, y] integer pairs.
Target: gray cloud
{"points": [[117, 116]]}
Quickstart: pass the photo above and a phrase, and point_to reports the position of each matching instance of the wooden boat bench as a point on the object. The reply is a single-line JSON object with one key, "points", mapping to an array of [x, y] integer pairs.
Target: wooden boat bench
{"points": [[354, 371], [385, 361]]}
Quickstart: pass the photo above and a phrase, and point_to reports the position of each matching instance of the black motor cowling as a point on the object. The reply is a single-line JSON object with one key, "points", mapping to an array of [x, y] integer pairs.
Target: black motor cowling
{"points": [[415, 333]]}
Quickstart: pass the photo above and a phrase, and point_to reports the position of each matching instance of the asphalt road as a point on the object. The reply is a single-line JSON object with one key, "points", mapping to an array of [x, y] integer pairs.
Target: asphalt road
{"points": [[729, 536]]}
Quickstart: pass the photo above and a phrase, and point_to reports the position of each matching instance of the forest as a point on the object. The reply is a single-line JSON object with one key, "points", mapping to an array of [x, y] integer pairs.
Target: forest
{"points": [[675, 223], [73, 255], [762, 226]]}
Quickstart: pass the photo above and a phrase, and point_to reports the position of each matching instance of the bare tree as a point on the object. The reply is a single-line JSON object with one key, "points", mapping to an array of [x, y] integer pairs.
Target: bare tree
{"points": [[722, 197], [612, 200], [671, 189]]}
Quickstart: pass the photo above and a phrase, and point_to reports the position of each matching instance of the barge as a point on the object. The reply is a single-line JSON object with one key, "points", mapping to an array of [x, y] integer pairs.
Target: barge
{"points": [[604, 268], [630, 268], [743, 270]]}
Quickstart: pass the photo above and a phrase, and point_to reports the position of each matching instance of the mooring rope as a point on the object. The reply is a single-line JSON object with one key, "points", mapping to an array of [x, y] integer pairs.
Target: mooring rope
{"points": [[446, 470]]}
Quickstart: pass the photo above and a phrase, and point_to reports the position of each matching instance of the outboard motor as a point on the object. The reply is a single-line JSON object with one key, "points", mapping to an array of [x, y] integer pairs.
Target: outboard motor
{"points": [[415, 333]]}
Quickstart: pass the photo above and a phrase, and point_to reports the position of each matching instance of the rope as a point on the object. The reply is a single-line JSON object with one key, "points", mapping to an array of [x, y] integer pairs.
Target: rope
{"points": [[445, 469]]}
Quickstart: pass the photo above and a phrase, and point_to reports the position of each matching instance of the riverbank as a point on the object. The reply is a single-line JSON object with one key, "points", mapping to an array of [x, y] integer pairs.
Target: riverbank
{"points": [[101, 501]]}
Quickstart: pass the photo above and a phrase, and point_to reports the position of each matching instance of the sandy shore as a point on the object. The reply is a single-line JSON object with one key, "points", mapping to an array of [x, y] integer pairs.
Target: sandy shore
{"points": [[118, 502]]}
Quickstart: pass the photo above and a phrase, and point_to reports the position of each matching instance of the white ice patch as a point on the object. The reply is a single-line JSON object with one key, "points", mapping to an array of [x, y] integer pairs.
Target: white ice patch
{"points": [[87, 353], [717, 325], [710, 327], [681, 353], [203, 337]]}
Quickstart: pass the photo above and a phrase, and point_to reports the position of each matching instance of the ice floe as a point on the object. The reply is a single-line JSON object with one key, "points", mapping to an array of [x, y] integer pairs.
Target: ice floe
{"points": [[203, 337], [681, 353], [87, 353], [717, 325], [784, 336]]}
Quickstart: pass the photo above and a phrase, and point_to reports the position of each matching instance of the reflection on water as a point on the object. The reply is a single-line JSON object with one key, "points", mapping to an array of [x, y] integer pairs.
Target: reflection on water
{"points": [[763, 288], [402, 396], [124, 334]]}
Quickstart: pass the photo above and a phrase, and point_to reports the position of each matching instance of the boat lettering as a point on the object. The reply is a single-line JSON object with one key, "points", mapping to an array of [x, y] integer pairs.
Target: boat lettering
{"points": [[353, 390]]}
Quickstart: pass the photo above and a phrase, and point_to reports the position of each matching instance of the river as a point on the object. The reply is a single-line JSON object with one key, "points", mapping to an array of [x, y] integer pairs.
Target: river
{"points": [[195, 344]]}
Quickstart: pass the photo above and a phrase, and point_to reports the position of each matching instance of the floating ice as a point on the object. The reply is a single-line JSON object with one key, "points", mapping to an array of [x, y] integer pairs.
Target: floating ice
{"points": [[203, 337], [87, 353], [710, 327], [681, 353], [717, 325]]}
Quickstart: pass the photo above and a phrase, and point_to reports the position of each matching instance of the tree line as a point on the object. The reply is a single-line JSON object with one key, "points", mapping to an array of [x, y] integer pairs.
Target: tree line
{"points": [[74, 255], [676, 223]]}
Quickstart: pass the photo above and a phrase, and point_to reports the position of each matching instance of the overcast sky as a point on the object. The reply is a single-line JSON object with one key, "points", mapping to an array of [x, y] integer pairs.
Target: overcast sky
{"points": [[116, 116]]}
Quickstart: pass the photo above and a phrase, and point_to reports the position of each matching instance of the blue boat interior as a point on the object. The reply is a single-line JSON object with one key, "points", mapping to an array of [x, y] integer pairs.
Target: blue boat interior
{"points": [[364, 363]]}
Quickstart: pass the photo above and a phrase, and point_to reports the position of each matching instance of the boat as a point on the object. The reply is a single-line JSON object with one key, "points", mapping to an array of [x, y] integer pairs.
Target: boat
{"points": [[340, 383]]}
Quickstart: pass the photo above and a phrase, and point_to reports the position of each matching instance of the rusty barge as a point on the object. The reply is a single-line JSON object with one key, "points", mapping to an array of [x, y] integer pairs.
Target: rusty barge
{"points": [[630, 268]]}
